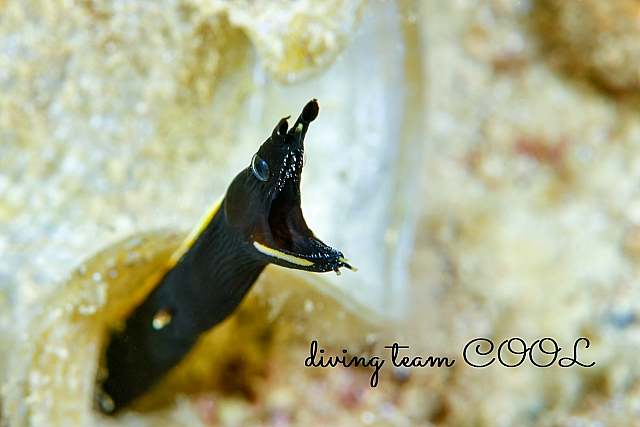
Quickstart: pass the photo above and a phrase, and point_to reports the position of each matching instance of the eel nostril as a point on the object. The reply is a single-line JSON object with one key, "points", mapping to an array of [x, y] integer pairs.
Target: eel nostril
{"points": [[310, 111]]}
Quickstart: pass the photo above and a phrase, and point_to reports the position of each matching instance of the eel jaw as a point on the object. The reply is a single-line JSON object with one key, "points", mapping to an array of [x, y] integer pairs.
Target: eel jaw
{"points": [[285, 237]]}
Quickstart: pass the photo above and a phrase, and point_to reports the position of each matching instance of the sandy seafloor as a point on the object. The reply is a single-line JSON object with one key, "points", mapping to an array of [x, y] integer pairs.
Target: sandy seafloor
{"points": [[482, 190]]}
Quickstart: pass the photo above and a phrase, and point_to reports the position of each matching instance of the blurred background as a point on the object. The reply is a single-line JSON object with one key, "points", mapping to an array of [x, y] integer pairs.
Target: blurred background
{"points": [[476, 160]]}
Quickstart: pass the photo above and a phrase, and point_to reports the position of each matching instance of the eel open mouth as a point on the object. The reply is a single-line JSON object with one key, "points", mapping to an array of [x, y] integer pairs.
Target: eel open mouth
{"points": [[293, 241], [286, 236]]}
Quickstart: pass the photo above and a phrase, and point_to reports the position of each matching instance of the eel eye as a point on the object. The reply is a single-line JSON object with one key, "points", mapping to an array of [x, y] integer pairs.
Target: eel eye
{"points": [[260, 168]]}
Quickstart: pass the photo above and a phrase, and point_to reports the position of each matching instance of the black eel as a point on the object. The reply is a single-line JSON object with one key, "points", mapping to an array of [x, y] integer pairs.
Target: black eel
{"points": [[258, 222]]}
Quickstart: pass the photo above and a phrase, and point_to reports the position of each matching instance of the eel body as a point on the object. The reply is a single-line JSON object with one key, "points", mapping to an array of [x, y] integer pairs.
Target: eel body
{"points": [[259, 221]]}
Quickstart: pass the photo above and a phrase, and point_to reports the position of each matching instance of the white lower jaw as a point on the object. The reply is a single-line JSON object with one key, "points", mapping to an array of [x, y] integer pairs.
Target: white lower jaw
{"points": [[274, 253]]}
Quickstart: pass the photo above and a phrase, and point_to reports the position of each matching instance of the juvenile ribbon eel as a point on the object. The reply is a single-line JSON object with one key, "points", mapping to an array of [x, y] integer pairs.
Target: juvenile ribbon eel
{"points": [[258, 222]]}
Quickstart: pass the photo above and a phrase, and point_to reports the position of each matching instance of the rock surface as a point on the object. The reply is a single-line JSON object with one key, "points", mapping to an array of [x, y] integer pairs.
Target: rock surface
{"points": [[529, 200], [599, 41]]}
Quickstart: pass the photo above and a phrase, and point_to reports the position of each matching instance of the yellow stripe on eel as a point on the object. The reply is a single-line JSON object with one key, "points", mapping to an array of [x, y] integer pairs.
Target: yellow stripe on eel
{"points": [[195, 232], [281, 255], [154, 279]]}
